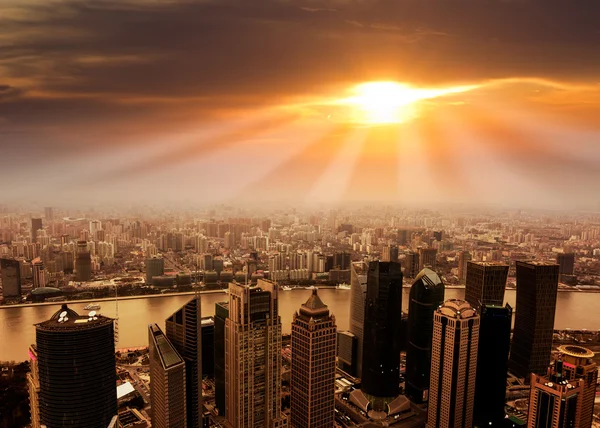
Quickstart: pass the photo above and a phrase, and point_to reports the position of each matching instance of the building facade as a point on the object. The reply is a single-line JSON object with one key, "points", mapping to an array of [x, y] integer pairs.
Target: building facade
{"points": [[453, 365], [11, 277], [358, 290], [537, 287], [426, 294], [411, 265], [313, 366], [77, 370], [184, 331], [253, 357], [485, 283], [155, 266], [554, 402], [566, 263], [221, 314], [427, 258], [167, 381]]}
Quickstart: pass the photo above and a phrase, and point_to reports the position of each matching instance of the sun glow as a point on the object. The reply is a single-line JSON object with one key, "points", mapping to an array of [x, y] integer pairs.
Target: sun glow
{"points": [[391, 102]]}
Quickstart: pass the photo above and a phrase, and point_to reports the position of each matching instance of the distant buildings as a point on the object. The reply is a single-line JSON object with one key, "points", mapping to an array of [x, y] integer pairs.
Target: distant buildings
{"points": [[155, 266], [427, 258], [77, 370], [566, 263], [426, 294], [36, 224], [253, 357], [389, 253], [184, 331], [39, 273], [492, 364], [83, 263], [553, 401], [167, 382], [463, 258], [411, 265], [358, 289], [485, 284], [381, 342], [49, 213], [313, 365], [537, 287], [453, 365], [11, 277]]}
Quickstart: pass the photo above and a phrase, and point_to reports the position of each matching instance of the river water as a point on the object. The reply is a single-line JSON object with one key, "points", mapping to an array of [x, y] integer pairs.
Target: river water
{"points": [[576, 310]]}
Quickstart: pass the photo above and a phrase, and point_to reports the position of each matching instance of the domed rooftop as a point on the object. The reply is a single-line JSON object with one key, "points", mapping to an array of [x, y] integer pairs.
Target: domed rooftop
{"points": [[429, 278], [314, 307], [64, 308], [575, 351], [45, 290], [457, 308]]}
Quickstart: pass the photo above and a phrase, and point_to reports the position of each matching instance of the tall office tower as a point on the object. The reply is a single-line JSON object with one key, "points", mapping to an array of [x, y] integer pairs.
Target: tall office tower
{"points": [[492, 364], [155, 266], [555, 402], [49, 213], [426, 294], [346, 352], [485, 284], [313, 365], [411, 265], [566, 263], [381, 341], [11, 277], [463, 258], [358, 290], [253, 357], [537, 286], [184, 331], [578, 364], [453, 365], [36, 224], [389, 253], [221, 314], [427, 258], [33, 385], [167, 381], [77, 370], [39, 273], [83, 263]]}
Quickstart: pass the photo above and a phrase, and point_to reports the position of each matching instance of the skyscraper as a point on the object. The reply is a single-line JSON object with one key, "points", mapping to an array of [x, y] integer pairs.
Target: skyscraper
{"points": [[221, 314], [253, 357], [358, 290], [155, 266], [313, 365], [83, 263], [427, 258], [411, 265], [39, 273], [167, 381], [11, 277], [389, 253], [36, 224], [381, 341], [577, 364], [463, 258], [554, 402], [453, 365], [426, 294], [77, 370], [184, 331], [486, 282], [566, 263], [537, 286], [492, 364], [33, 386], [346, 352]]}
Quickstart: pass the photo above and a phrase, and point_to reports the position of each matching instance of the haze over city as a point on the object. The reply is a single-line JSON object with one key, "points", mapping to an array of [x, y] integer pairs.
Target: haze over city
{"points": [[303, 102]]}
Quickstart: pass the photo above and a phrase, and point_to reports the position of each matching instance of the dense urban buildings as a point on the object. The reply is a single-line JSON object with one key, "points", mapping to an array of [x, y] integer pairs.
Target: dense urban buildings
{"points": [[313, 365], [537, 286], [426, 294], [485, 283], [381, 342], [76, 370], [577, 364], [253, 357], [184, 331], [11, 278], [167, 382], [453, 365], [553, 401], [358, 288], [492, 364]]}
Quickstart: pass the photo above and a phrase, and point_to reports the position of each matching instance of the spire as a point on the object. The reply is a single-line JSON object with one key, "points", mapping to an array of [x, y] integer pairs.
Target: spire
{"points": [[314, 307]]}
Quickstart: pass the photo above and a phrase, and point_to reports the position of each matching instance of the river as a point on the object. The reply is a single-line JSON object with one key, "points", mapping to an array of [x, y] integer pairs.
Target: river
{"points": [[576, 310]]}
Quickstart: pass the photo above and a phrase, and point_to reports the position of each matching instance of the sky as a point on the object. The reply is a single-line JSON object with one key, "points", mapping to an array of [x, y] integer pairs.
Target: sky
{"points": [[212, 101]]}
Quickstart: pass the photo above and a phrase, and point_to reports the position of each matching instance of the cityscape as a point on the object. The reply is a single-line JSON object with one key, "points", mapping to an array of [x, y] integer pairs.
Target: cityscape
{"points": [[299, 214]]}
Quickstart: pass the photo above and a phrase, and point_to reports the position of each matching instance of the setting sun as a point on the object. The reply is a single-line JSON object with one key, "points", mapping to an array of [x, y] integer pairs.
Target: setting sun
{"points": [[391, 102]]}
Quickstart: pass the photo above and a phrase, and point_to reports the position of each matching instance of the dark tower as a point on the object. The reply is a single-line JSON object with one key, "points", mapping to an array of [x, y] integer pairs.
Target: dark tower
{"points": [[36, 224], [11, 277], [426, 294], [492, 364], [566, 263], [77, 370], [486, 282], [358, 289], [221, 314], [184, 331], [537, 286], [382, 341], [83, 262]]}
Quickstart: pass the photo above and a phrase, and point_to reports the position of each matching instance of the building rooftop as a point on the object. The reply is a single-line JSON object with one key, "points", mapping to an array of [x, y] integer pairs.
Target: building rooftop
{"points": [[457, 308], [67, 319], [429, 278], [314, 307], [575, 351], [490, 263], [168, 355]]}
